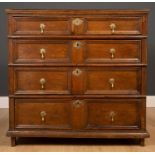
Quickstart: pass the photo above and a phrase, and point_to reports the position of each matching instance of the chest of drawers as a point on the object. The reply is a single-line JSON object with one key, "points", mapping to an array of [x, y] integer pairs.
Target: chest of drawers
{"points": [[77, 73]]}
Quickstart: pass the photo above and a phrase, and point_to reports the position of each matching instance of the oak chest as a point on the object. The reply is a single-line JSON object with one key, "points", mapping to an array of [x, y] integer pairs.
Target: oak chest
{"points": [[77, 73]]}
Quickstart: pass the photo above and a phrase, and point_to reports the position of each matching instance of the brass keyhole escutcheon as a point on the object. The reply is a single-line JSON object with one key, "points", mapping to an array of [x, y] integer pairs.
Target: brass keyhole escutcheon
{"points": [[75, 24], [112, 82], [112, 52], [77, 21], [42, 27], [112, 116], [77, 72], [43, 114], [77, 103], [77, 44], [42, 53], [112, 27], [42, 82]]}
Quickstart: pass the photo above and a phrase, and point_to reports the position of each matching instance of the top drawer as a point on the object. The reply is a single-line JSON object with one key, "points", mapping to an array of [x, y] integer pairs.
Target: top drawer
{"points": [[83, 25]]}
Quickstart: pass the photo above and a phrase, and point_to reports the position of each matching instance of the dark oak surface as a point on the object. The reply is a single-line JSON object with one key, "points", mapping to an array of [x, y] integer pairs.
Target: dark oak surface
{"points": [[91, 114], [77, 73], [89, 52]]}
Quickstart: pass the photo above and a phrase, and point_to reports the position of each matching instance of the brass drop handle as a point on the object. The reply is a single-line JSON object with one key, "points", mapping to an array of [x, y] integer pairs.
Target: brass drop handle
{"points": [[112, 116], [42, 82], [42, 53], [77, 72], [43, 114], [42, 27], [77, 44], [112, 27], [112, 52], [76, 22], [77, 103], [112, 82]]}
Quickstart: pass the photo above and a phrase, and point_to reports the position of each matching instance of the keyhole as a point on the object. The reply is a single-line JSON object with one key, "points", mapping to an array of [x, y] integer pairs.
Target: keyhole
{"points": [[77, 72], [77, 44]]}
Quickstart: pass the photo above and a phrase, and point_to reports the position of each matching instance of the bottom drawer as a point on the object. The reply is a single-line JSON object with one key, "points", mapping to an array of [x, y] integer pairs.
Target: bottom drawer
{"points": [[80, 114]]}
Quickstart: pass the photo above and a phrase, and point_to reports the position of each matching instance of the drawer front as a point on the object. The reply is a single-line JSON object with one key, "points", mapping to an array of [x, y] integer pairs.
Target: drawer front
{"points": [[114, 25], [80, 114], [76, 51], [80, 80], [40, 26], [114, 114], [41, 51], [43, 113], [107, 80], [42, 81], [112, 51]]}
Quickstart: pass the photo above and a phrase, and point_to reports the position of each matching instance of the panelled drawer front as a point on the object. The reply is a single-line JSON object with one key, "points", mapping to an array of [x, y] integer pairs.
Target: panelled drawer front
{"points": [[107, 80], [77, 25], [77, 80], [41, 51], [43, 113], [77, 51], [80, 114], [112, 51], [42, 80], [114, 114], [40, 26], [114, 25]]}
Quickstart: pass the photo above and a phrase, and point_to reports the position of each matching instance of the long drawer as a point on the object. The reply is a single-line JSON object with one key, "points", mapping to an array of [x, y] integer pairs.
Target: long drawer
{"points": [[77, 80], [79, 114], [98, 25], [77, 51]]}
